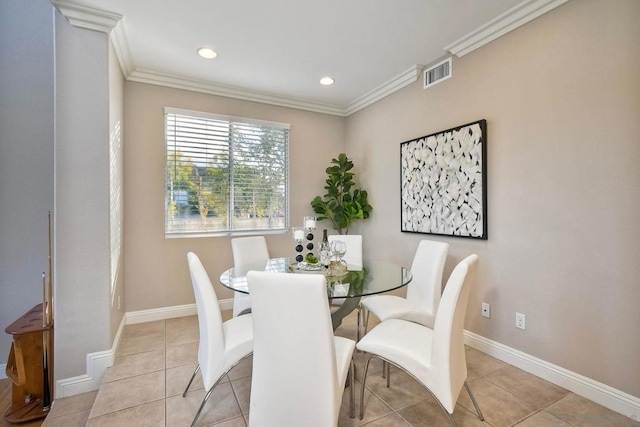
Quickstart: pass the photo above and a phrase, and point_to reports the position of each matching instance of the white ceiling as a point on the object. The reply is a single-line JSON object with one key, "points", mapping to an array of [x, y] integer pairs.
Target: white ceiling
{"points": [[276, 51]]}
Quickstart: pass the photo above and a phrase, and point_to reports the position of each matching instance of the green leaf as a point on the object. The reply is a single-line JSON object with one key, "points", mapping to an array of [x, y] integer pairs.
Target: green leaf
{"points": [[340, 204]]}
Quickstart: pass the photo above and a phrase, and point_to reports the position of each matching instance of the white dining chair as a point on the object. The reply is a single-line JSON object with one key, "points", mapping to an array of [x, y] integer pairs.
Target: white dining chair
{"points": [[222, 345], [299, 367], [423, 292], [434, 357], [247, 250]]}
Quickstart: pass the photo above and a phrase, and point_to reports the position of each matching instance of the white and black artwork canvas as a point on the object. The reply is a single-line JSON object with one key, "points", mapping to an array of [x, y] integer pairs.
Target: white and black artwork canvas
{"points": [[443, 179]]}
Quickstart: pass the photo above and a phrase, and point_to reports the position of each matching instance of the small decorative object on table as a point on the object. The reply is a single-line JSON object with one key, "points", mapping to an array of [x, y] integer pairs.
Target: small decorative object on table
{"points": [[308, 262], [324, 250], [337, 265], [309, 225], [298, 237]]}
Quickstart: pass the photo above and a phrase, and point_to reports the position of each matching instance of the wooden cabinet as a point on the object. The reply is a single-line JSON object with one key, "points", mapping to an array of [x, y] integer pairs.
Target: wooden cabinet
{"points": [[25, 366]]}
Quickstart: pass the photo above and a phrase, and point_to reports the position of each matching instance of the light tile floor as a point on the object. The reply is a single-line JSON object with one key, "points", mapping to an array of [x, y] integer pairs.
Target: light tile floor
{"points": [[155, 360]]}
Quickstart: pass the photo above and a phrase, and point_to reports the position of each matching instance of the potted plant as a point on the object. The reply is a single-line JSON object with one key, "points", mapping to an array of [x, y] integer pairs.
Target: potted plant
{"points": [[343, 204]]}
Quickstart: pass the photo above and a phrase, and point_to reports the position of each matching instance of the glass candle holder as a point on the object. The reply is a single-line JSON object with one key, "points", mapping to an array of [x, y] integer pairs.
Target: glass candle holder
{"points": [[309, 223]]}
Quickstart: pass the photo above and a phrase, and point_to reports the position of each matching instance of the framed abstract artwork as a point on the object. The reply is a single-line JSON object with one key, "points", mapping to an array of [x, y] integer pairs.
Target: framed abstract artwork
{"points": [[444, 182]]}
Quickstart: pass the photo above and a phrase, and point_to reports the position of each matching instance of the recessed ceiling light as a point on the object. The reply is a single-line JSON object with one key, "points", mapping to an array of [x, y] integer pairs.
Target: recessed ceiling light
{"points": [[327, 81], [206, 52]]}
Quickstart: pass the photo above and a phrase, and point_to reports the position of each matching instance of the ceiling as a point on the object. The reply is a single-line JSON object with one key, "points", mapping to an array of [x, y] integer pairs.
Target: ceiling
{"points": [[276, 51]]}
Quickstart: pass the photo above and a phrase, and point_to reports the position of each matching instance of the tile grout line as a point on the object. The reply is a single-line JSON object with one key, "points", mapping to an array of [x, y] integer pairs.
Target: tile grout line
{"points": [[485, 377], [524, 398], [165, 372], [235, 395], [479, 365]]}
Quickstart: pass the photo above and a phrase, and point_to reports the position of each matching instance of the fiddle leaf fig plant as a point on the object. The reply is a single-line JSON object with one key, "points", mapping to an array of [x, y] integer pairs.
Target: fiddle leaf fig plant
{"points": [[341, 205]]}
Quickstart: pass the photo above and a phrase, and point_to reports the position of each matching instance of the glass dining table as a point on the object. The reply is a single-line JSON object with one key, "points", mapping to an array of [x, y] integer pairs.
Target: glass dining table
{"points": [[374, 277]]}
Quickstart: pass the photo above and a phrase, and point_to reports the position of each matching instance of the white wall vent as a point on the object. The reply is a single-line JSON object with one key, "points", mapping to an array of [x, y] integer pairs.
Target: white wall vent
{"points": [[437, 73]]}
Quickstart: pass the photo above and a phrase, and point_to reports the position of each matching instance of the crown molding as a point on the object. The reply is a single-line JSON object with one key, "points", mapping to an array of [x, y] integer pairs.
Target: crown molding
{"points": [[103, 21], [87, 17], [111, 23], [404, 79], [123, 52], [152, 77], [508, 21]]}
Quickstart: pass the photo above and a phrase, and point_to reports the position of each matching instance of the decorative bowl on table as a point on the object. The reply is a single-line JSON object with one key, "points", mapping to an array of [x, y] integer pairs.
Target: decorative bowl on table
{"points": [[337, 267], [305, 266]]}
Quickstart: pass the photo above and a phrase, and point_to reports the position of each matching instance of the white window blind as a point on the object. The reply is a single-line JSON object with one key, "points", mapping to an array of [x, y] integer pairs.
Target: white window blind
{"points": [[224, 175]]}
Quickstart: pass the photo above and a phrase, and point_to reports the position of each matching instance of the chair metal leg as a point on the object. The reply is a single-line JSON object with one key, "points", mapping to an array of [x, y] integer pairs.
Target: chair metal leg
{"points": [[358, 335], [386, 372], [449, 416], [388, 375], [364, 378], [473, 399], [206, 397], [366, 321], [352, 391], [191, 380]]}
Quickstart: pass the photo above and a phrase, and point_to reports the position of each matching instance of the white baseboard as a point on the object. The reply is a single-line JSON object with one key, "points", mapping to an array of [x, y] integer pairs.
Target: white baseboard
{"points": [[616, 400], [595, 391], [3, 371], [98, 362], [170, 312], [162, 313]]}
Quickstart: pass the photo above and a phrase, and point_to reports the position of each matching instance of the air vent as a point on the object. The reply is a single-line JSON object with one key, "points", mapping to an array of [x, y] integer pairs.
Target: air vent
{"points": [[437, 73]]}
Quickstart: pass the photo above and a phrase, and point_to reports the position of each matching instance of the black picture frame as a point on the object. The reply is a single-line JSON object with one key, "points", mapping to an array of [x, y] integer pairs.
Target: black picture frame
{"points": [[443, 182]]}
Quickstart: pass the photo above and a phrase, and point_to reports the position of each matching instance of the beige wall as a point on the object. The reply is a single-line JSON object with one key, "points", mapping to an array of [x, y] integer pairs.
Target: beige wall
{"points": [[561, 97], [156, 272]]}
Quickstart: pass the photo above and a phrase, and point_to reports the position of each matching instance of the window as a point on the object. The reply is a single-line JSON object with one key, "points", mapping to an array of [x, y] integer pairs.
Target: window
{"points": [[225, 175]]}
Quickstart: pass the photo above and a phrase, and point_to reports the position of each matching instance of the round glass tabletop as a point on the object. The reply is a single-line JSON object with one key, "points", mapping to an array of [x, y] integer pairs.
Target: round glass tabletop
{"points": [[374, 278]]}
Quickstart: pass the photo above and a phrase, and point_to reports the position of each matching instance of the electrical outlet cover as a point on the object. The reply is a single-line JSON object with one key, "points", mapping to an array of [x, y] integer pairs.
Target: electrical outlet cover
{"points": [[520, 321], [486, 310]]}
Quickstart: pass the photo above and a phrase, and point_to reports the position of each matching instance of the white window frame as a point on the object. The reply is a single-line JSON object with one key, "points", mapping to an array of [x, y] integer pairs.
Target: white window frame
{"points": [[180, 221]]}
